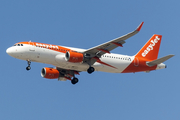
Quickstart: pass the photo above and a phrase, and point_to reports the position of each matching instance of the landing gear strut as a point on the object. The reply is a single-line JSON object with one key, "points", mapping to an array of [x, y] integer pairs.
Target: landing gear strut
{"points": [[74, 80], [29, 63], [90, 70]]}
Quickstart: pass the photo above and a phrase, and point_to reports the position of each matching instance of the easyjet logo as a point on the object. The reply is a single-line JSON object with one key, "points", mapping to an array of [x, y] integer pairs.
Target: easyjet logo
{"points": [[150, 47], [46, 45]]}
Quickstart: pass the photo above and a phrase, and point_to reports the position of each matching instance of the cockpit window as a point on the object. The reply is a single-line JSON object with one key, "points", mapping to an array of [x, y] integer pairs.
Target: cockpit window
{"points": [[18, 45]]}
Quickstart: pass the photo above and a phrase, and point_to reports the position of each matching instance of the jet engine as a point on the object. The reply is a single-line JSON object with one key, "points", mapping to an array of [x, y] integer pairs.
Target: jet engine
{"points": [[49, 73], [74, 57]]}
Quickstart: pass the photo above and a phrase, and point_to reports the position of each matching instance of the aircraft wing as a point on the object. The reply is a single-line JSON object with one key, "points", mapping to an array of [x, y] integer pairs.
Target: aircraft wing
{"points": [[99, 50], [110, 45]]}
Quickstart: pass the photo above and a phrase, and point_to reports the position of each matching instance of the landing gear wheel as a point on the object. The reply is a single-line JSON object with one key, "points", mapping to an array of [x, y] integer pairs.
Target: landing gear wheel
{"points": [[28, 68], [29, 63], [90, 70], [74, 81]]}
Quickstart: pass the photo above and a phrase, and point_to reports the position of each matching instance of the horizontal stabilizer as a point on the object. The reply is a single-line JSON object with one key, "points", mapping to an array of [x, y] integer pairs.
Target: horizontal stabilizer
{"points": [[159, 61]]}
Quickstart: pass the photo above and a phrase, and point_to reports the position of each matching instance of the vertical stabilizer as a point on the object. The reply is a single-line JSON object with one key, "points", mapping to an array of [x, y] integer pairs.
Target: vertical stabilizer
{"points": [[151, 49]]}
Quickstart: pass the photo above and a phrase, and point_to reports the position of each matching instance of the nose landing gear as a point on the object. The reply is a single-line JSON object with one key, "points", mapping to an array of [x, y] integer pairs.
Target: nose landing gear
{"points": [[29, 63]]}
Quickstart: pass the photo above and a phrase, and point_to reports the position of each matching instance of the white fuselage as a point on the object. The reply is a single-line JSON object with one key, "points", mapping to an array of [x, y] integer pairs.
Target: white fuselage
{"points": [[70, 61], [114, 63]]}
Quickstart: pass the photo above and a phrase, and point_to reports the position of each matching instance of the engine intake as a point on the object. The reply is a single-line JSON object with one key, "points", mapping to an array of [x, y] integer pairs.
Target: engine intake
{"points": [[49, 73], [74, 57]]}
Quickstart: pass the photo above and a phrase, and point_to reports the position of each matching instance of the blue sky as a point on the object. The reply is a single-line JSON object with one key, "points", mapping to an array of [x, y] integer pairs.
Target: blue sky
{"points": [[85, 24]]}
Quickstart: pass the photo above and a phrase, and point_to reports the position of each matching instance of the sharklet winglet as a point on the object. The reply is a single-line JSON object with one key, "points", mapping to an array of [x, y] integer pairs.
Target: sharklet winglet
{"points": [[140, 26]]}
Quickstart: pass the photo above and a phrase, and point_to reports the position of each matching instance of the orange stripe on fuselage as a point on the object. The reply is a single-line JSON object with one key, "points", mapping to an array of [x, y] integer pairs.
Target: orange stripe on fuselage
{"points": [[138, 65], [47, 46], [99, 61]]}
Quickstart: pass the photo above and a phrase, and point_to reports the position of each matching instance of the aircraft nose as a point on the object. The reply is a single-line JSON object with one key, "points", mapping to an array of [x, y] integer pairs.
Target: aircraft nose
{"points": [[9, 51]]}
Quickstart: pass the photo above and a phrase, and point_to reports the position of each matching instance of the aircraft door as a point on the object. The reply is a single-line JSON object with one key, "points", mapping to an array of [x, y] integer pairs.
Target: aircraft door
{"points": [[32, 47], [33, 56], [136, 61]]}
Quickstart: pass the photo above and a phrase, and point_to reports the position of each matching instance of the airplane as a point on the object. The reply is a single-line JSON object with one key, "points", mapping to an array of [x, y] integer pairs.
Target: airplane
{"points": [[69, 61]]}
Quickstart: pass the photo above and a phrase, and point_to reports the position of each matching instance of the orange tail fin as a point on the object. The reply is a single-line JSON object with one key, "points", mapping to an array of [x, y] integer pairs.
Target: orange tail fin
{"points": [[151, 49]]}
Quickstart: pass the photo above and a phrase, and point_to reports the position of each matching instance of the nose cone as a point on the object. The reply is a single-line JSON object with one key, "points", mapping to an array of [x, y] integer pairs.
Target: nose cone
{"points": [[10, 51]]}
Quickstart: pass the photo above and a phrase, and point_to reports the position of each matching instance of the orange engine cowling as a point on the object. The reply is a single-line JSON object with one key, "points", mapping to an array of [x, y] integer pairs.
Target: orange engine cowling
{"points": [[49, 73], [74, 57]]}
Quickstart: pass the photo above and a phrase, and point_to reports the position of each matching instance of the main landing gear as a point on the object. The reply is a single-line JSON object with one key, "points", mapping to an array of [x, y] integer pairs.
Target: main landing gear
{"points": [[29, 63], [90, 70], [74, 80]]}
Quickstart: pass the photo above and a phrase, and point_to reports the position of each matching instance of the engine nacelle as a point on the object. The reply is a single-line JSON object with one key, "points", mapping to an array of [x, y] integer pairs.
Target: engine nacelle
{"points": [[74, 57], [49, 73]]}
